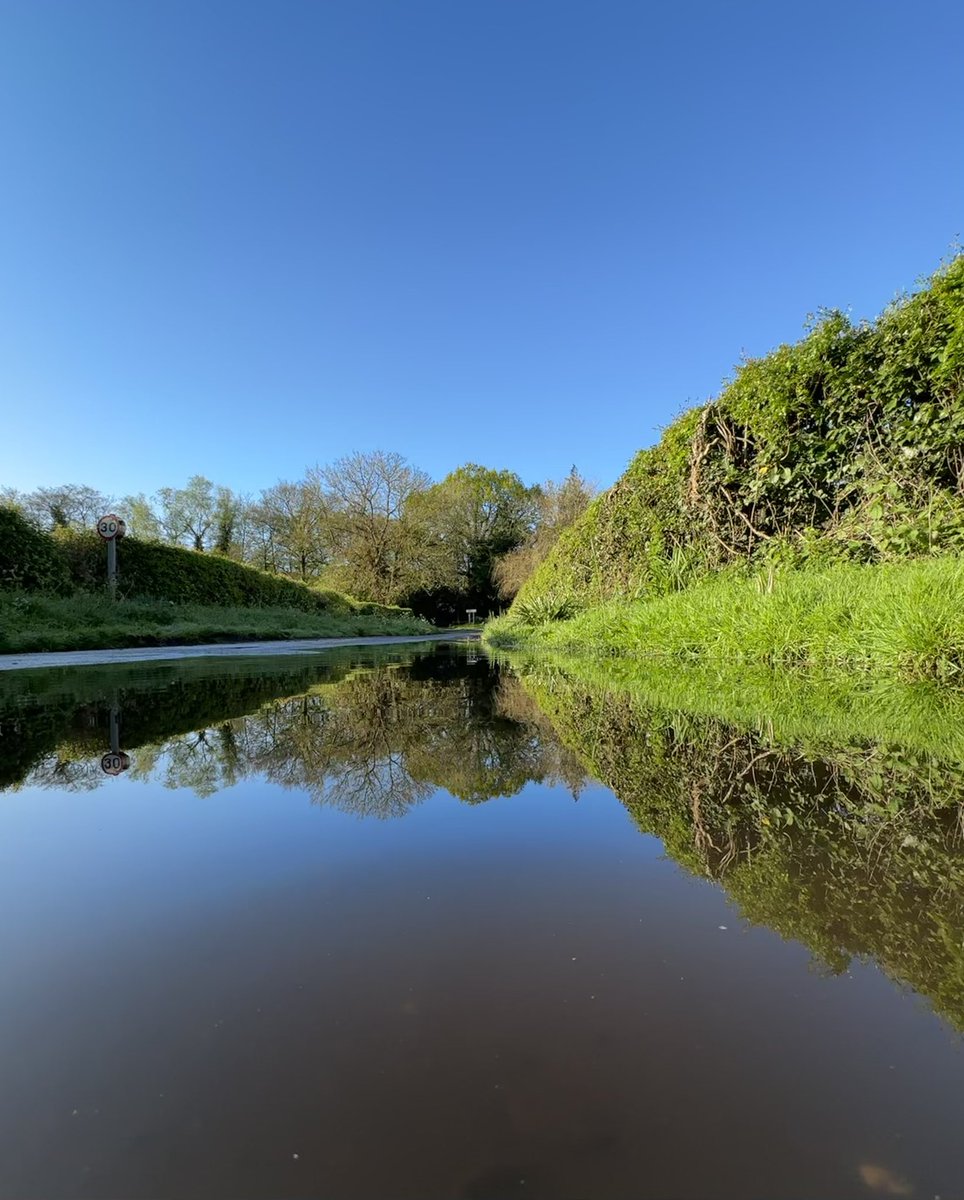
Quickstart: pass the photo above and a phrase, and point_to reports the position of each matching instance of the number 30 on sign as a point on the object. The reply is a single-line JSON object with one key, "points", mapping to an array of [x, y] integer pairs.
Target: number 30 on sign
{"points": [[115, 762], [111, 527]]}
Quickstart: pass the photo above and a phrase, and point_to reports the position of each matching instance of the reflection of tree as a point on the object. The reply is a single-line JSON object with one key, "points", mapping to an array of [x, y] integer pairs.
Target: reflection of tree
{"points": [[371, 739], [380, 741], [66, 771], [64, 713], [197, 760], [853, 850], [480, 741], [343, 746]]}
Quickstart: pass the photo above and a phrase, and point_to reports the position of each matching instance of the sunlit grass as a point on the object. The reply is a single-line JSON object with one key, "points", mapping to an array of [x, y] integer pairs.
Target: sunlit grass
{"points": [[906, 618], [30, 622]]}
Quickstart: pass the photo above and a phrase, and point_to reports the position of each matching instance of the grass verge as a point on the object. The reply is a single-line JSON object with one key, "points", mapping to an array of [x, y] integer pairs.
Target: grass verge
{"points": [[906, 618], [34, 622]]}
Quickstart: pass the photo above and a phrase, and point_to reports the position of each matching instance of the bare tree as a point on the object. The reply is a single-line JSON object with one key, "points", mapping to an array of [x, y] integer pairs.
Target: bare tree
{"points": [[70, 506], [296, 519], [374, 538]]}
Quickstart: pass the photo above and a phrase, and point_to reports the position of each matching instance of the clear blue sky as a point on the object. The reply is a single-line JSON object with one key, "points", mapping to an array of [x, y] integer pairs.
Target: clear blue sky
{"points": [[246, 237]]}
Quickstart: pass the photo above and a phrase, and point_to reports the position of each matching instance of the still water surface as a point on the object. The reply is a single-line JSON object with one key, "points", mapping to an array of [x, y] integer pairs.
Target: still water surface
{"points": [[360, 926]]}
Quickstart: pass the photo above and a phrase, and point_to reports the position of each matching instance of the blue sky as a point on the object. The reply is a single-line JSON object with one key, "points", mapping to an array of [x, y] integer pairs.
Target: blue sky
{"points": [[240, 238]]}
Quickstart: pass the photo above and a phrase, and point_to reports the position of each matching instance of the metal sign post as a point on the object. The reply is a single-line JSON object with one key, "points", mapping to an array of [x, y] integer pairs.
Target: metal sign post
{"points": [[111, 528], [115, 761], [112, 568]]}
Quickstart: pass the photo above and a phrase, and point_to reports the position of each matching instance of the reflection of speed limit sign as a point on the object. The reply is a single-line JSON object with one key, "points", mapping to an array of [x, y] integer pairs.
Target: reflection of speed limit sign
{"points": [[115, 762], [111, 527]]}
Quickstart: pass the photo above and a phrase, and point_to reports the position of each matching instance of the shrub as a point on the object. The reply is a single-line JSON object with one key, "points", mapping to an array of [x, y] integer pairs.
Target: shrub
{"points": [[540, 610], [29, 558]]}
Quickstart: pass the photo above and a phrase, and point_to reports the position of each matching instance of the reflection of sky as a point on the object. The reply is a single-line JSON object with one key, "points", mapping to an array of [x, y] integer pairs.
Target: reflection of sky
{"points": [[91, 865], [231, 980]]}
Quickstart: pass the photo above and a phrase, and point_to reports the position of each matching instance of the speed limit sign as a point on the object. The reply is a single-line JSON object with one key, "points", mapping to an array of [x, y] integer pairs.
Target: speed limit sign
{"points": [[111, 527], [115, 762]]}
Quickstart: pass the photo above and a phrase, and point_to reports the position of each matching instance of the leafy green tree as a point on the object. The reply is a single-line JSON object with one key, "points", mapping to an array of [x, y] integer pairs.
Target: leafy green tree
{"points": [[142, 520], [295, 521], [188, 514], [476, 515], [242, 544], [227, 509]]}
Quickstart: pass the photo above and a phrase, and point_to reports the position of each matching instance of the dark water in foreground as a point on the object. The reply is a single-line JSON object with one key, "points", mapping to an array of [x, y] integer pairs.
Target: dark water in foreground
{"points": [[359, 926]]}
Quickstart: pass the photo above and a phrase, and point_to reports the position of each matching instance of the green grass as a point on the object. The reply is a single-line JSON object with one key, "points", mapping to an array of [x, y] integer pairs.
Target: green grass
{"points": [[905, 618], [35, 622]]}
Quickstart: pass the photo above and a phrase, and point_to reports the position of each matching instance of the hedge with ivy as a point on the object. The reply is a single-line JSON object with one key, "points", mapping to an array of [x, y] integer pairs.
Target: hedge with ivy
{"points": [[847, 445]]}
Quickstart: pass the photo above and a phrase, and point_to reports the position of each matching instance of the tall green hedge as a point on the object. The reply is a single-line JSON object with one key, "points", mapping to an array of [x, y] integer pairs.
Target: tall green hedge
{"points": [[848, 444], [65, 562], [29, 558], [184, 576]]}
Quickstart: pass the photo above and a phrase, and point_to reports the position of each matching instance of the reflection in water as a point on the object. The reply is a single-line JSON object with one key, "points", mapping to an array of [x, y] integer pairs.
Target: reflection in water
{"points": [[370, 740], [116, 761], [854, 850], [255, 996]]}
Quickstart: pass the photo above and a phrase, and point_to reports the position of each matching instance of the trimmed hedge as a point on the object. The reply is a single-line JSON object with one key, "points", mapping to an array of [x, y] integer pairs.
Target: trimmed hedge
{"points": [[161, 572], [64, 562]]}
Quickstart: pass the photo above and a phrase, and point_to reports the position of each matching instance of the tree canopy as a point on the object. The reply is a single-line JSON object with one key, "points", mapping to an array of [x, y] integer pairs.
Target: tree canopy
{"points": [[370, 524]]}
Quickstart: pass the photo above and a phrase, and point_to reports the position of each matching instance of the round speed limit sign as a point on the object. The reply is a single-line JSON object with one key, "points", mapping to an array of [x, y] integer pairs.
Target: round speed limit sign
{"points": [[115, 762], [111, 527]]}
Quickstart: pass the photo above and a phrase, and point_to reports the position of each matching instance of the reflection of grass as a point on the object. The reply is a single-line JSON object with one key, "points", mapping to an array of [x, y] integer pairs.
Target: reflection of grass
{"points": [[820, 830], [88, 622], [828, 708], [906, 618]]}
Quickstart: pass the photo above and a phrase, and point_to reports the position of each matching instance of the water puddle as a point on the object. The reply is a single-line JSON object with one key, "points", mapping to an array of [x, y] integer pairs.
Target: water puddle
{"points": [[398, 923]]}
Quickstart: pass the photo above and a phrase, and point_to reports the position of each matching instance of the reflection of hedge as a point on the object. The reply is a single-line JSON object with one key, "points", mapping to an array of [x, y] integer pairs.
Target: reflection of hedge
{"points": [[372, 729], [852, 850], [43, 709], [29, 558], [38, 561]]}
